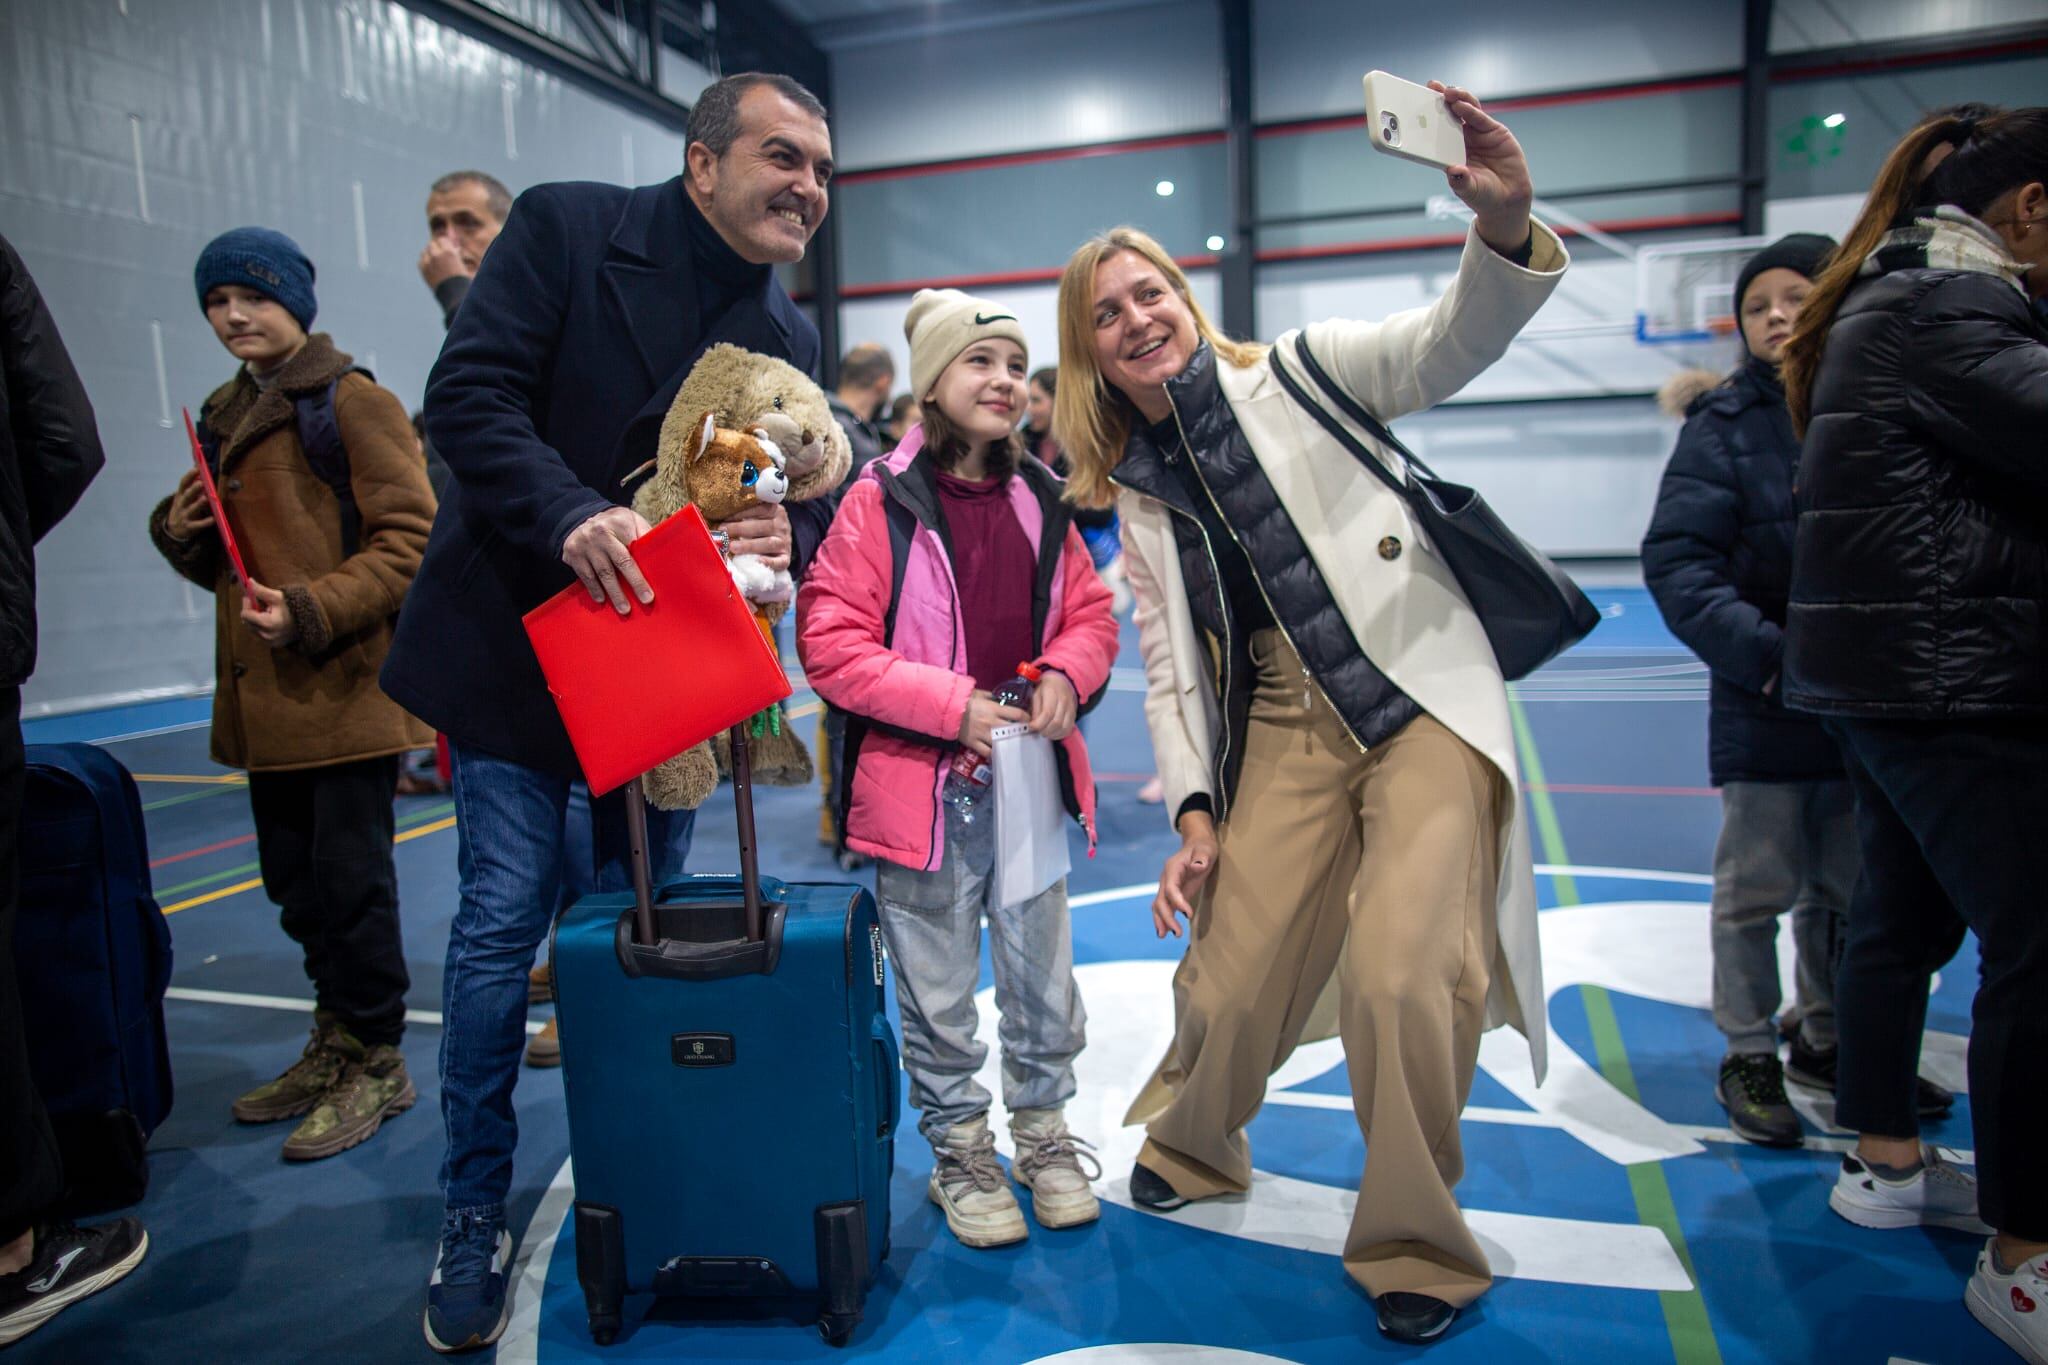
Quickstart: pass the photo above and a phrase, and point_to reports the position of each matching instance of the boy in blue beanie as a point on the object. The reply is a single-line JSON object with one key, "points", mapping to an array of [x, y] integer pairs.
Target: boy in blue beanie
{"points": [[317, 468]]}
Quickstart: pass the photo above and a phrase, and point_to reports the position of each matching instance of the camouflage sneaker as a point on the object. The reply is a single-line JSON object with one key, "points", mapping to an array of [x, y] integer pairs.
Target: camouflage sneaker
{"points": [[327, 1055], [370, 1091]]}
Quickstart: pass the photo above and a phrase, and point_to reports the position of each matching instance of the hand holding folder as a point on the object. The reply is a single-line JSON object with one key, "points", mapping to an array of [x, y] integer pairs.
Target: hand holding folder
{"points": [[637, 689]]}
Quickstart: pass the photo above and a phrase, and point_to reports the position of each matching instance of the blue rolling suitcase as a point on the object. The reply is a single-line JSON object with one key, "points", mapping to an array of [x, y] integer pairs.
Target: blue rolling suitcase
{"points": [[93, 953], [727, 1017]]}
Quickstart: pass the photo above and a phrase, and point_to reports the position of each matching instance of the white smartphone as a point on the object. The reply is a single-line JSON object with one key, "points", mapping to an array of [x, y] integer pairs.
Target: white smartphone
{"points": [[1412, 122]]}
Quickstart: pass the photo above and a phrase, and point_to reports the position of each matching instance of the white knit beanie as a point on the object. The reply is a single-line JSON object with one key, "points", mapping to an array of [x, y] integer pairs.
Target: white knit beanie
{"points": [[942, 323]]}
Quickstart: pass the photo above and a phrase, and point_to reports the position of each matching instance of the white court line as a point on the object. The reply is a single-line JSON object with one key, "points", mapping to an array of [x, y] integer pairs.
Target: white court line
{"points": [[1619, 874], [1529, 1118], [292, 1002], [520, 1344]]}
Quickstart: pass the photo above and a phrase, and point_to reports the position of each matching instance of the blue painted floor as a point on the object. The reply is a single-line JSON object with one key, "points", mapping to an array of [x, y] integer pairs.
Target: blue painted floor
{"points": [[253, 1260]]}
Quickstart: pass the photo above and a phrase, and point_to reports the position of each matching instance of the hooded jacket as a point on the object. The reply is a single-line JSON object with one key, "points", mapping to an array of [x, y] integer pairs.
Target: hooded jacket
{"points": [[1718, 560], [315, 701], [880, 635]]}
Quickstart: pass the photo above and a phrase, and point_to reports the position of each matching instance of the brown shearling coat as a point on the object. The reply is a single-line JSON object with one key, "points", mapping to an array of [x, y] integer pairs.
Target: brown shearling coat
{"points": [[316, 701]]}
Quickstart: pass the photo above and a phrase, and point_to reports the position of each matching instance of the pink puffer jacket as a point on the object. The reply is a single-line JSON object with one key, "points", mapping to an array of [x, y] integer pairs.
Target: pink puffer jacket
{"points": [[906, 693]]}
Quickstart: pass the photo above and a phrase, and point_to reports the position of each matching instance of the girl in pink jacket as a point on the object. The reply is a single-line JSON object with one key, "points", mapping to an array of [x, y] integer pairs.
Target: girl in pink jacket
{"points": [[952, 560]]}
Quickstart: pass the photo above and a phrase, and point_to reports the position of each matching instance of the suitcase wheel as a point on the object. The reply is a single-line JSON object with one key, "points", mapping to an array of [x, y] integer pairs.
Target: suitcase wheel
{"points": [[837, 1328], [604, 1329]]}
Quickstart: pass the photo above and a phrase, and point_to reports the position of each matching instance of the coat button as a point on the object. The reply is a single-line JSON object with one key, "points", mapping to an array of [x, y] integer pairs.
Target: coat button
{"points": [[1390, 547], [238, 670], [234, 485]]}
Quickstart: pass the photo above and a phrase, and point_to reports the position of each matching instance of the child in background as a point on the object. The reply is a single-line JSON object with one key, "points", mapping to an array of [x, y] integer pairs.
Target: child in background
{"points": [[993, 574], [296, 700]]}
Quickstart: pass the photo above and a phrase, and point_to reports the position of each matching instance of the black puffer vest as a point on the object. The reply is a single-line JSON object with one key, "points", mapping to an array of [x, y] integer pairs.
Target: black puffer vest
{"points": [[1372, 708]]}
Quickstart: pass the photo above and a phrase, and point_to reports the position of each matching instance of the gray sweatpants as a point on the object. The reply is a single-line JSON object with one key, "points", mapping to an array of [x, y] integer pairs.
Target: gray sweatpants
{"points": [[1784, 846], [932, 921]]}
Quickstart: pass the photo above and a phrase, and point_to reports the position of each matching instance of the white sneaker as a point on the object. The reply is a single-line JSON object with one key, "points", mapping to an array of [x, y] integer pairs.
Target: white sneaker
{"points": [[1937, 1195], [2015, 1306], [1049, 1164], [969, 1185]]}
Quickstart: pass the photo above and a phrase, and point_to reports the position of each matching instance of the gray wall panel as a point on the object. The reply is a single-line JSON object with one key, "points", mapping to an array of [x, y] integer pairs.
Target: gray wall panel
{"points": [[246, 111], [1137, 73], [1310, 55], [1797, 25]]}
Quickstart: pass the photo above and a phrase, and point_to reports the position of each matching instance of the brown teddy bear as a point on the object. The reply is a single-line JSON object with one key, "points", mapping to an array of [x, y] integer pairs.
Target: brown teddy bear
{"points": [[744, 428]]}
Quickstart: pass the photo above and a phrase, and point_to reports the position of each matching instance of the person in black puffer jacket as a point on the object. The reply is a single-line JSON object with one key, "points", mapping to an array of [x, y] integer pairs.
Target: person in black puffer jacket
{"points": [[1919, 372], [1718, 560]]}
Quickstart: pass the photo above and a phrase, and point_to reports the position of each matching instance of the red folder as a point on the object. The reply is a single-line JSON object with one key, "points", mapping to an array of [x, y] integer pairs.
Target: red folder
{"points": [[220, 512], [636, 690]]}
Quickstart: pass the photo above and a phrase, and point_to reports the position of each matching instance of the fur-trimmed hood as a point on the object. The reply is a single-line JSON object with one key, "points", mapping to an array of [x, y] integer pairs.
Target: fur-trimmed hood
{"points": [[1687, 387], [241, 412]]}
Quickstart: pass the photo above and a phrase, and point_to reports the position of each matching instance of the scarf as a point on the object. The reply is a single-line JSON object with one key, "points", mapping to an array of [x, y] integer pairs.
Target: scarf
{"points": [[1945, 238]]}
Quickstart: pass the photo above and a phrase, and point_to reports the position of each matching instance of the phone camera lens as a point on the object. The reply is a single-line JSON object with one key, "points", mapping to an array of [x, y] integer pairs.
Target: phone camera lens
{"points": [[1390, 128]]}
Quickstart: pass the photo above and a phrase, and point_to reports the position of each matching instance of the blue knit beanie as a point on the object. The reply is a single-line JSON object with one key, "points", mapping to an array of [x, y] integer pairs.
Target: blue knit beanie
{"points": [[264, 260]]}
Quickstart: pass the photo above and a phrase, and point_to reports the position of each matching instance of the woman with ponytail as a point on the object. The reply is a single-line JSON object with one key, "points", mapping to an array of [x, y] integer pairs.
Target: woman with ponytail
{"points": [[1918, 625]]}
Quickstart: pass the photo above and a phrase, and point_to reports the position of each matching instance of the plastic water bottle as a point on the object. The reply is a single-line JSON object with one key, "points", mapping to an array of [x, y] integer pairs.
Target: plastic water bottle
{"points": [[967, 780]]}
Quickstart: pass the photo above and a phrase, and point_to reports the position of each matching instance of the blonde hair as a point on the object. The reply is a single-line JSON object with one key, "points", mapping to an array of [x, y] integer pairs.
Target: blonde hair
{"points": [[1091, 418]]}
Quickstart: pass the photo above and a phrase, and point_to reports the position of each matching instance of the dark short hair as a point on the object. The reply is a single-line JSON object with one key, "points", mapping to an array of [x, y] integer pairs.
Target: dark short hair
{"points": [[497, 198], [900, 406], [1047, 378], [865, 364], [715, 119]]}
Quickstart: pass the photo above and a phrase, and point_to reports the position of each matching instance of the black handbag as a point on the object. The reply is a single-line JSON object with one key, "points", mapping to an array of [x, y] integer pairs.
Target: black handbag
{"points": [[1531, 610]]}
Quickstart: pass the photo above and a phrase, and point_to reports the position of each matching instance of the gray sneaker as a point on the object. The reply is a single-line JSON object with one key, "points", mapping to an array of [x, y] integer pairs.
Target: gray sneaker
{"points": [[1056, 1167], [319, 1067], [969, 1185]]}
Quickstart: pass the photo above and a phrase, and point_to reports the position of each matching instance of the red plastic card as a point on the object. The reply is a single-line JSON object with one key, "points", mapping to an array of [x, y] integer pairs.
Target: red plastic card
{"points": [[637, 690], [220, 513]]}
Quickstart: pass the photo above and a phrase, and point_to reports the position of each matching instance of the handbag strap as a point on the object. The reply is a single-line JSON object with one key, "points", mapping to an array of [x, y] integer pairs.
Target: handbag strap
{"points": [[1342, 434], [1354, 409]]}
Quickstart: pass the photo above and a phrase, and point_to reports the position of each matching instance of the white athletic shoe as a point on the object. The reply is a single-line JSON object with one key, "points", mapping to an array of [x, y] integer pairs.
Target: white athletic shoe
{"points": [[1050, 1163], [2015, 1306], [1937, 1195], [969, 1185]]}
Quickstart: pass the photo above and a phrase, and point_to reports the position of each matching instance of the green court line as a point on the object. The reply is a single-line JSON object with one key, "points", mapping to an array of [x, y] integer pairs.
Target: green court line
{"points": [[1685, 1312], [418, 817], [202, 794]]}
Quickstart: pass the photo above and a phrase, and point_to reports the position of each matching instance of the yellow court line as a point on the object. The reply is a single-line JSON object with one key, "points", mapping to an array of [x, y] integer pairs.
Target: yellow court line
{"points": [[206, 779], [446, 822], [809, 708]]}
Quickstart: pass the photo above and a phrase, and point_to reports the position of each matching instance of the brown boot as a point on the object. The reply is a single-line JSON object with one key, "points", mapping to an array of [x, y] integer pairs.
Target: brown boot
{"points": [[374, 1088], [545, 1047], [327, 1055], [540, 984]]}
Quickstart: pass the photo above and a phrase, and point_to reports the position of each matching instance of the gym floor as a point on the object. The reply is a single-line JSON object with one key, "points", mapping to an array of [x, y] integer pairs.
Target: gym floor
{"points": [[1624, 1221]]}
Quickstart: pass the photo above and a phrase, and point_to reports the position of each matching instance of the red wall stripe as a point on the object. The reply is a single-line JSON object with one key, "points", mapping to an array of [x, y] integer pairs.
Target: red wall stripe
{"points": [[1044, 276]]}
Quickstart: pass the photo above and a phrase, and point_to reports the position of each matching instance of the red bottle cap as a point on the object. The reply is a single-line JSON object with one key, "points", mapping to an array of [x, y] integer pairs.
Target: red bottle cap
{"points": [[1030, 672]]}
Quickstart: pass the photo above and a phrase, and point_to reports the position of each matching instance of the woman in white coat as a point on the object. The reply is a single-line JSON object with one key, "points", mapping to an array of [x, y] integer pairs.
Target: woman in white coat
{"points": [[1331, 725]]}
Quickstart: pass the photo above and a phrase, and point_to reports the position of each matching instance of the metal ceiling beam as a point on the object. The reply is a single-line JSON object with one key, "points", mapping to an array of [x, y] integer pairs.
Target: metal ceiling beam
{"points": [[959, 16], [596, 27], [1756, 112], [488, 25], [1240, 251]]}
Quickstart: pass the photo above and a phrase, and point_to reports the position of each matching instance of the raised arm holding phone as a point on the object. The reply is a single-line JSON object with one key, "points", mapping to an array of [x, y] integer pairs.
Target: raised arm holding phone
{"points": [[1300, 721]]}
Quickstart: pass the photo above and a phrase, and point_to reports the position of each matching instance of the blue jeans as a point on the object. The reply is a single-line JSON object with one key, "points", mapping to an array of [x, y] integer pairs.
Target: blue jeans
{"points": [[508, 822]]}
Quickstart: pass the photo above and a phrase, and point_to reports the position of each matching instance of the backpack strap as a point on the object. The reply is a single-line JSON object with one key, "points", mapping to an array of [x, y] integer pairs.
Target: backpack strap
{"points": [[320, 441]]}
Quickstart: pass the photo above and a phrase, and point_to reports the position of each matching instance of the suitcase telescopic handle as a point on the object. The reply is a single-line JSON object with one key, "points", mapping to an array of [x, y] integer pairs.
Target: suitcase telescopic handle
{"points": [[750, 871]]}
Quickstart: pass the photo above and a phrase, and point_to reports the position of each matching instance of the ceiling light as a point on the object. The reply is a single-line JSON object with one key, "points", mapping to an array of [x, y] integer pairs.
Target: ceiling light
{"points": [[1215, 244], [1834, 120], [1163, 188]]}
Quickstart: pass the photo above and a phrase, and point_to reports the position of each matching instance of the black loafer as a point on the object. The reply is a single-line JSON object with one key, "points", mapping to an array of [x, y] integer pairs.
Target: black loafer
{"points": [[1932, 1100], [1413, 1318], [1150, 1190]]}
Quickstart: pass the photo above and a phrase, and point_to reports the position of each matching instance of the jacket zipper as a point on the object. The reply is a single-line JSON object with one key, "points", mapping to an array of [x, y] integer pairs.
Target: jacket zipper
{"points": [[1307, 678]]}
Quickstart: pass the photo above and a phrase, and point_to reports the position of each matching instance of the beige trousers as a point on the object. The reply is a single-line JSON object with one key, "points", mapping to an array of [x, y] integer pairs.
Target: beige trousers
{"points": [[1381, 865]]}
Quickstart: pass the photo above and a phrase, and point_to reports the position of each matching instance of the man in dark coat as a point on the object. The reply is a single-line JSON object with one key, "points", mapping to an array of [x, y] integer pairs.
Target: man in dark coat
{"points": [[561, 363], [49, 452], [1718, 560]]}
